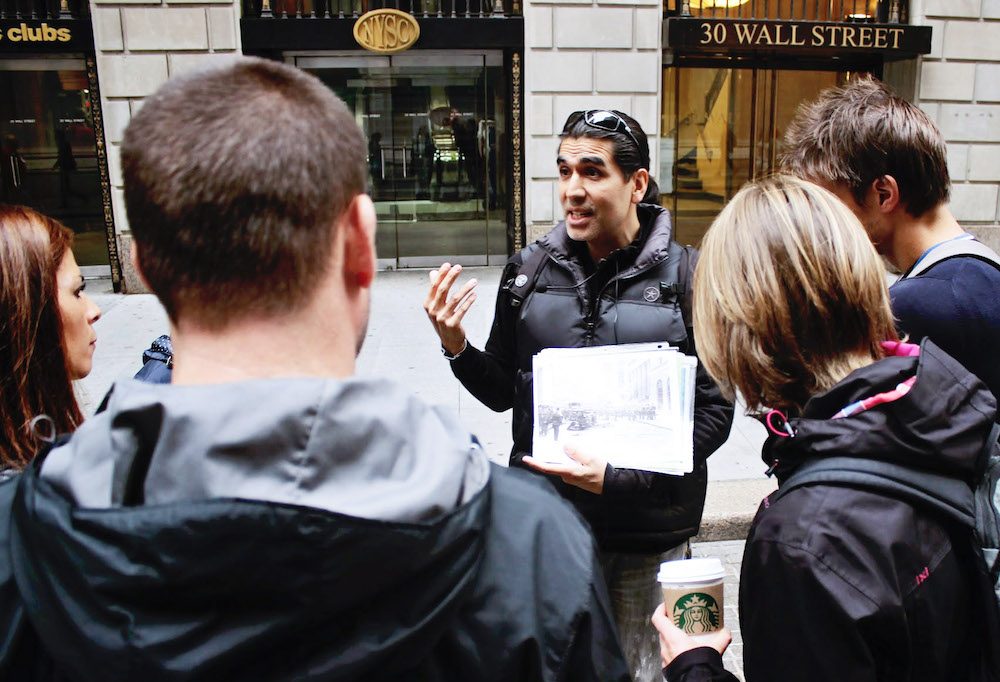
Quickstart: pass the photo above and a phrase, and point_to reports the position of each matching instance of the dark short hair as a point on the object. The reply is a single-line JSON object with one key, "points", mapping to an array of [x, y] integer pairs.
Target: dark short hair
{"points": [[854, 134], [630, 152], [234, 180]]}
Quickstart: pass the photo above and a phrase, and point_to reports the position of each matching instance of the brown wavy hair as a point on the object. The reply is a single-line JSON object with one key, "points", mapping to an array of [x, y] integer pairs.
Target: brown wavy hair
{"points": [[853, 134], [789, 295], [34, 376]]}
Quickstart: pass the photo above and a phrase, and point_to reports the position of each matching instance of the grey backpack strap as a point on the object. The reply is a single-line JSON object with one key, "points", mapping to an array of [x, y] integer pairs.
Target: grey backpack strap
{"points": [[988, 507], [947, 495], [954, 249]]}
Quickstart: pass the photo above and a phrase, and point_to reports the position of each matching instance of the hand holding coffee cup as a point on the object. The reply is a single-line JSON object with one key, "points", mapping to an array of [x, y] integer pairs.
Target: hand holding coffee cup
{"points": [[693, 594], [674, 642], [692, 614]]}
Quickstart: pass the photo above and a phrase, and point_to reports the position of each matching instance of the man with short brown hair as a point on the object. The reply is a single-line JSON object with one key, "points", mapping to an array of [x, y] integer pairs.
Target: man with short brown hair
{"points": [[887, 161], [268, 516]]}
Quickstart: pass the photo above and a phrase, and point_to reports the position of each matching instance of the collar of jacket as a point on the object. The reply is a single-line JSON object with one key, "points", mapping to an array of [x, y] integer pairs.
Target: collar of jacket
{"points": [[940, 425], [209, 585], [652, 244], [363, 447]]}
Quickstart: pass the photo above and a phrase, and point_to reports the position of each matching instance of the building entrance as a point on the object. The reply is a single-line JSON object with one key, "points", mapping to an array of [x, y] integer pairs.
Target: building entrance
{"points": [[437, 137], [49, 154], [724, 127]]}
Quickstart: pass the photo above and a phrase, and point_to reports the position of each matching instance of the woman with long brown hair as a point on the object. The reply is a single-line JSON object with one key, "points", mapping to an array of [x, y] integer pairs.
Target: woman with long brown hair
{"points": [[47, 337]]}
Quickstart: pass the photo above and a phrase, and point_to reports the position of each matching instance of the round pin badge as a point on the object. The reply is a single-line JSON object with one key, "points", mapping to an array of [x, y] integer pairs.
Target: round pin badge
{"points": [[651, 294], [520, 280]]}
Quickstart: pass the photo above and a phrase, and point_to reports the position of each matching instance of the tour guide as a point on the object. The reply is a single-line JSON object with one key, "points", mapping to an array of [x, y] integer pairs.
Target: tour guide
{"points": [[609, 274]]}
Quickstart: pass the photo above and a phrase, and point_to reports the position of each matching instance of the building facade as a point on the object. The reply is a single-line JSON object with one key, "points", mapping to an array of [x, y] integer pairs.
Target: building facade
{"points": [[462, 101]]}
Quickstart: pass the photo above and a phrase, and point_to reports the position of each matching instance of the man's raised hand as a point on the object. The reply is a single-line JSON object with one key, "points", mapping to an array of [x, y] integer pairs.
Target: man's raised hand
{"points": [[446, 313]]}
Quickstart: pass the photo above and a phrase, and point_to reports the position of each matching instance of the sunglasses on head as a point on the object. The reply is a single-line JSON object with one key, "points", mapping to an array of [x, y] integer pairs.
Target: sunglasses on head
{"points": [[603, 119]]}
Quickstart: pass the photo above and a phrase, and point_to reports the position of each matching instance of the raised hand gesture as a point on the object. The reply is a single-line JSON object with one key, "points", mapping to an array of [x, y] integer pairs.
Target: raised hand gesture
{"points": [[446, 313]]}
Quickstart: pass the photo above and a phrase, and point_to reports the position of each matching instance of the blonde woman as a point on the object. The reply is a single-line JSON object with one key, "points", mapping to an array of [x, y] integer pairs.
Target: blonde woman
{"points": [[843, 578]]}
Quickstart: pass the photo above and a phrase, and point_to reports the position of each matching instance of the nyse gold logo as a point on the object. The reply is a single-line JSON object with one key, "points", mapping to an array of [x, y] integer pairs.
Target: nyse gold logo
{"points": [[23, 33], [386, 31]]}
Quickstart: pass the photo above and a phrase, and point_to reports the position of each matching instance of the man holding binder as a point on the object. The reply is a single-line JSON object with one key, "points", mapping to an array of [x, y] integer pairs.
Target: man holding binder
{"points": [[609, 273]]}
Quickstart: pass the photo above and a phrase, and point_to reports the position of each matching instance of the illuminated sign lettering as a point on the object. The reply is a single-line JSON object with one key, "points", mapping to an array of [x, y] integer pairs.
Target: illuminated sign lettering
{"points": [[43, 33], [751, 36]]}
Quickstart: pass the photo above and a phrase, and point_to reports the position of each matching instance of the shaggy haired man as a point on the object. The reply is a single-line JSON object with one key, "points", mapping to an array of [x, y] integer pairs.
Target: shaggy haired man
{"points": [[886, 160]]}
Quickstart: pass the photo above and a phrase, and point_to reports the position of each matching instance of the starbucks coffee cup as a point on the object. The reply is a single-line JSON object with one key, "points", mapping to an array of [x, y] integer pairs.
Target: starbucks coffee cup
{"points": [[693, 594]]}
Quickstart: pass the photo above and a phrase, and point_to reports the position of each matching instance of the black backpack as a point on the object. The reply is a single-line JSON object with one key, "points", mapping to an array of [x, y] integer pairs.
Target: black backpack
{"points": [[975, 538]]}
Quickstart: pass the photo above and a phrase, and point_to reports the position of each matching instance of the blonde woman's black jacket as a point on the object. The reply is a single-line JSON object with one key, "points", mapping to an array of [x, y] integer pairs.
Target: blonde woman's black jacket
{"points": [[626, 298], [866, 584]]}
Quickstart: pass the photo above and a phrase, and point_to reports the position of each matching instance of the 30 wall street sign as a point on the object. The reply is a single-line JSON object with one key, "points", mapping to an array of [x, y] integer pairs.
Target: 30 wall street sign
{"points": [[386, 31], [748, 36]]}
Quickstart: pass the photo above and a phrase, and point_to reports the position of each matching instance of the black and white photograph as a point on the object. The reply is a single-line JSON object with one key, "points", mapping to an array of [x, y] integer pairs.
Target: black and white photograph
{"points": [[632, 404]]}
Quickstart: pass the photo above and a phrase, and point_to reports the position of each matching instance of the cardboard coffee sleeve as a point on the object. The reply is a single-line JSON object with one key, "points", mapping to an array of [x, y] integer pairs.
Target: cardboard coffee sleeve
{"points": [[693, 594]]}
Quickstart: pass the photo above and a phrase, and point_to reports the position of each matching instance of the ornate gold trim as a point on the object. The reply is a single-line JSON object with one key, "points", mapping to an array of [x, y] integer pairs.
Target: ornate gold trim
{"points": [[102, 166], [516, 202]]}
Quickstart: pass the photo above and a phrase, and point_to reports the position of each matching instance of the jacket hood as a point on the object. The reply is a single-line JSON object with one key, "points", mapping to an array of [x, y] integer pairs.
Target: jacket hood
{"points": [[280, 528], [939, 425], [652, 243]]}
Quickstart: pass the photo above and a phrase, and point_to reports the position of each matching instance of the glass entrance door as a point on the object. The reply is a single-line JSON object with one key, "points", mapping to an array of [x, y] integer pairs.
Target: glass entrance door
{"points": [[49, 153], [436, 130], [724, 127]]}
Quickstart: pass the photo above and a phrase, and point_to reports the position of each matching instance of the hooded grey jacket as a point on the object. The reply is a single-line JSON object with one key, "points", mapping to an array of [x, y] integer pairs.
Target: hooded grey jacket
{"points": [[291, 529]]}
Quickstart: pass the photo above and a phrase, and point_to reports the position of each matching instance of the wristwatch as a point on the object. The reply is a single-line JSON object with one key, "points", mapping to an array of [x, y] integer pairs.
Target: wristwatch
{"points": [[444, 351]]}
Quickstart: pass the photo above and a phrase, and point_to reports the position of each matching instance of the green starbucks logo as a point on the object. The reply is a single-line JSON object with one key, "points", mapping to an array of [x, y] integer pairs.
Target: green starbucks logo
{"points": [[696, 613]]}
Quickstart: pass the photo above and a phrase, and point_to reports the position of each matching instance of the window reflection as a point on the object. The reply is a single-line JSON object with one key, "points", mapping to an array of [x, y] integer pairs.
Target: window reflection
{"points": [[436, 136], [48, 156]]}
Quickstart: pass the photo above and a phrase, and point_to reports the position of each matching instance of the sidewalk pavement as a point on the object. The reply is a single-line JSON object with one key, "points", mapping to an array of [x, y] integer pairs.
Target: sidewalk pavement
{"points": [[401, 345], [731, 554]]}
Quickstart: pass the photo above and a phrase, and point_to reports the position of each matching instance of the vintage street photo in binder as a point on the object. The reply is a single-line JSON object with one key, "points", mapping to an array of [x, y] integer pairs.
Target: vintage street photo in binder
{"points": [[631, 404]]}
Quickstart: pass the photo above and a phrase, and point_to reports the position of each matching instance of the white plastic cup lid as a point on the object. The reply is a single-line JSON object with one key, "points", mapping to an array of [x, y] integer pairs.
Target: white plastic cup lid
{"points": [[691, 571]]}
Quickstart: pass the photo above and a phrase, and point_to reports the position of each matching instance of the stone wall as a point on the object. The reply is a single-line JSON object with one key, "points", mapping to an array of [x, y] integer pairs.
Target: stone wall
{"points": [[139, 44], [959, 87], [581, 54]]}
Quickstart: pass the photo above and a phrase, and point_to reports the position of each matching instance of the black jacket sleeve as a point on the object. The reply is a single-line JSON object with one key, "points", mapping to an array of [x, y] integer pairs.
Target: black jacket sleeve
{"points": [[595, 654], [713, 418], [489, 374], [703, 664]]}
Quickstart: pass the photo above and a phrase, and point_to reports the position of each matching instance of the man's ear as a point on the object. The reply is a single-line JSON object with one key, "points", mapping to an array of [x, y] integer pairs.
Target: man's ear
{"points": [[358, 225], [886, 193], [640, 181], [137, 266]]}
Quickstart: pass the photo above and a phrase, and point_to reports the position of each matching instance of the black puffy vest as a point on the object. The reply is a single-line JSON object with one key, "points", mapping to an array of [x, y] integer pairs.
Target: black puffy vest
{"points": [[640, 303]]}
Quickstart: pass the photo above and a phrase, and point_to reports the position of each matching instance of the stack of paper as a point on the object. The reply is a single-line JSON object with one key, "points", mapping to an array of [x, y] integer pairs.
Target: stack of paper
{"points": [[632, 405]]}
